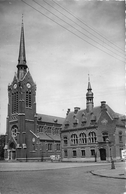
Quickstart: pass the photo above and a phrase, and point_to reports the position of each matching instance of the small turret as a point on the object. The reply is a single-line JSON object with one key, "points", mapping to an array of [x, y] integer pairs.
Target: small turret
{"points": [[89, 97]]}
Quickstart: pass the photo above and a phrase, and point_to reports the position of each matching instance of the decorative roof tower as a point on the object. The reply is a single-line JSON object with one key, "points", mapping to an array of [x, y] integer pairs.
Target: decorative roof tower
{"points": [[22, 67], [89, 97]]}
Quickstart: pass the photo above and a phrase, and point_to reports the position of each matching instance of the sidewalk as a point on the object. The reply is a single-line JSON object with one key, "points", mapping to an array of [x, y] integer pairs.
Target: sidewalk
{"points": [[119, 172]]}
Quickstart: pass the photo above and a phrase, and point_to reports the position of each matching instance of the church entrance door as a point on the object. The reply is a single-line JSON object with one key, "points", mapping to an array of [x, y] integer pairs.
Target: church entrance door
{"points": [[102, 154], [12, 151]]}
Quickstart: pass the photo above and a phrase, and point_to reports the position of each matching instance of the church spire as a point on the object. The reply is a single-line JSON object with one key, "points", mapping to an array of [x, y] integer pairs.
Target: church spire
{"points": [[89, 97], [22, 56]]}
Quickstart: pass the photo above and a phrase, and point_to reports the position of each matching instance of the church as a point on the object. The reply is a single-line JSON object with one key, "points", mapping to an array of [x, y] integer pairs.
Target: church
{"points": [[29, 135], [92, 134]]}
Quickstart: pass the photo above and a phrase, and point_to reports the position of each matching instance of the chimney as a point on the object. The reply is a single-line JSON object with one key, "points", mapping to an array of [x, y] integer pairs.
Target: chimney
{"points": [[76, 109], [103, 105], [68, 111]]}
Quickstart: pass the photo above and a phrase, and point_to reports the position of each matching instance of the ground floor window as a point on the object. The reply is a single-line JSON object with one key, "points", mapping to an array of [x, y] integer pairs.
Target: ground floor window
{"points": [[120, 152], [65, 153], [58, 146], [74, 153], [83, 153], [49, 146], [92, 152]]}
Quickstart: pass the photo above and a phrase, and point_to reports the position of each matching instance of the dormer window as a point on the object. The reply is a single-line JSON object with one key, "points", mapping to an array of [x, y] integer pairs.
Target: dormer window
{"points": [[66, 123], [84, 120], [93, 119], [75, 122]]}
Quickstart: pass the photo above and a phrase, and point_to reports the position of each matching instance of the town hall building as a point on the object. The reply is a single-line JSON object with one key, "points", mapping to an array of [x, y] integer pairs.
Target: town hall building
{"points": [[94, 133], [29, 135]]}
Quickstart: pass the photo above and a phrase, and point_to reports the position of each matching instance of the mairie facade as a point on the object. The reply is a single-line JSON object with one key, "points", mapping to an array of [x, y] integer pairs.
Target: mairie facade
{"points": [[29, 136], [92, 134]]}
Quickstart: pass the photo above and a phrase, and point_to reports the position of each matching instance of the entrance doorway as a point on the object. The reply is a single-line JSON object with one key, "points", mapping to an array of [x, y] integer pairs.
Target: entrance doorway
{"points": [[102, 154], [12, 151]]}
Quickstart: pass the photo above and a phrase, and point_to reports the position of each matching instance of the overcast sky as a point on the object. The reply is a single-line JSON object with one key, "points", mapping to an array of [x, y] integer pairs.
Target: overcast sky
{"points": [[60, 56]]}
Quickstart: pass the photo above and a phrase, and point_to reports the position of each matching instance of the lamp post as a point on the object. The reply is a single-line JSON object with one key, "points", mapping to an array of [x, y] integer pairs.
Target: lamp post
{"points": [[96, 151], [111, 159], [42, 152]]}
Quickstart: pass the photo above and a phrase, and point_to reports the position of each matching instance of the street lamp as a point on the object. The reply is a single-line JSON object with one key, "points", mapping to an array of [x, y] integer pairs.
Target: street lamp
{"points": [[41, 152], [96, 151], [111, 159]]}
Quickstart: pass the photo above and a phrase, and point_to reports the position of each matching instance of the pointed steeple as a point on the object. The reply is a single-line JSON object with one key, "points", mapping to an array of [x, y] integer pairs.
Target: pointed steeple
{"points": [[89, 97], [22, 66]]}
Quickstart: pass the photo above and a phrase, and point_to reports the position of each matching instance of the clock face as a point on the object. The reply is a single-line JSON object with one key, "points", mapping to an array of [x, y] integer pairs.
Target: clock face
{"points": [[33, 140], [15, 86], [28, 85]]}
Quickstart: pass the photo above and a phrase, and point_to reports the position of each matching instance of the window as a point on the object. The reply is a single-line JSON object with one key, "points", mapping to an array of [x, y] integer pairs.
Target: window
{"points": [[120, 152], [48, 130], [40, 128], [58, 146], [66, 124], [120, 136], [28, 99], [92, 137], [56, 131], [14, 131], [74, 153], [74, 139], [105, 136], [49, 146], [83, 153], [14, 102], [65, 140], [82, 138], [92, 152], [65, 153]]}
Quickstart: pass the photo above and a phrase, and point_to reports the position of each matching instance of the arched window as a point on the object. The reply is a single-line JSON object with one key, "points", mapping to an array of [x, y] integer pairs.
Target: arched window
{"points": [[92, 137], [74, 139], [28, 99], [14, 102], [82, 138], [14, 131], [105, 136]]}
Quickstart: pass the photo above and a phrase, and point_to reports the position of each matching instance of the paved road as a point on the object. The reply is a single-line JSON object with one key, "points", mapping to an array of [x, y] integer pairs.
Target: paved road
{"points": [[27, 166], [76, 180]]}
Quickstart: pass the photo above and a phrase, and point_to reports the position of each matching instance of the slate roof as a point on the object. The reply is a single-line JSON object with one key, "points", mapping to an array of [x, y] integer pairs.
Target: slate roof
{"points": [[48, 137], [50, 119], [83, 116]]}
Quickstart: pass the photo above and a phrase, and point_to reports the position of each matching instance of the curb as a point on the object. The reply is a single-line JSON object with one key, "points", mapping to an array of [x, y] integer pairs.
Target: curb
{"points": [[107, 176]]}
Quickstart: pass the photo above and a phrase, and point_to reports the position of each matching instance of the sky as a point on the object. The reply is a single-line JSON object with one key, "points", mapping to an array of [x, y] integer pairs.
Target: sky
{"points": [[65, 41]]}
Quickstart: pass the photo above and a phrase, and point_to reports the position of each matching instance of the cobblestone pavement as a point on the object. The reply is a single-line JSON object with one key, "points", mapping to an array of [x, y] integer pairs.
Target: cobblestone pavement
{"points": [[57, 178], [76, 180]]}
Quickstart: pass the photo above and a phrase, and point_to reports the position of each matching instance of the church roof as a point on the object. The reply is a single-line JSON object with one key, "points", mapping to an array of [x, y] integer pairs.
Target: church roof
{"points": [[50, 119], [48, 137], [86, 118]]}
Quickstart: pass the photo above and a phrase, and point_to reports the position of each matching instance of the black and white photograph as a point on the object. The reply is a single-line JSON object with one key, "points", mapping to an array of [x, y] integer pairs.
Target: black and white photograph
{"points": [[62, 97]]}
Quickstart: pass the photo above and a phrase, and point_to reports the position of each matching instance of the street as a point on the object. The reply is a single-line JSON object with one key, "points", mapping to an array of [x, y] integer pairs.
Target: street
{"points": [[75, 180]]}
